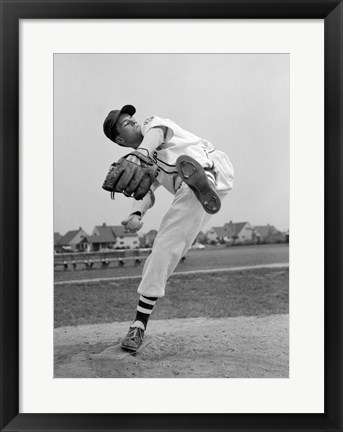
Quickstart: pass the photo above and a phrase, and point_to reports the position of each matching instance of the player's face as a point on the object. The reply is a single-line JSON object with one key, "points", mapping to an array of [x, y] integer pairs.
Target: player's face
{"points": [[130, 134]]}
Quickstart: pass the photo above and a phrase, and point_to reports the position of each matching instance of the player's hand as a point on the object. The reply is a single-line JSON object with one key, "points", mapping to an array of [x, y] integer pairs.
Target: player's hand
{"points": [[133, 223]]}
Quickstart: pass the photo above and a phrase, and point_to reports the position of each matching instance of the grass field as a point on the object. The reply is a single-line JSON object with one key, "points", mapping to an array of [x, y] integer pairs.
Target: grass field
{"points": [[235, 322], [241, 293], [210, 258]]}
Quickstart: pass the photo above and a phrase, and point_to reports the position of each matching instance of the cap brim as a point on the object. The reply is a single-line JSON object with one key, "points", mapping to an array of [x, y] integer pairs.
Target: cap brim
{"points": [[128, 109]]}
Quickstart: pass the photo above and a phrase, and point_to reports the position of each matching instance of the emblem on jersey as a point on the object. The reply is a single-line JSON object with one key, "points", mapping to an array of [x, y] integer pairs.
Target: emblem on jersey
{"points": [[148, 120]]}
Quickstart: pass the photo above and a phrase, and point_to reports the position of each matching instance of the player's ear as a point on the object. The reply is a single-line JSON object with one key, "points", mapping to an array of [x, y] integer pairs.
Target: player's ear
{"points": [[119, 140]]}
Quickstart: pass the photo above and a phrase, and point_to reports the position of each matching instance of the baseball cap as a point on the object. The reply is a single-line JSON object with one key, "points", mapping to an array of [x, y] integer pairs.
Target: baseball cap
{"points": [[111, 120]]}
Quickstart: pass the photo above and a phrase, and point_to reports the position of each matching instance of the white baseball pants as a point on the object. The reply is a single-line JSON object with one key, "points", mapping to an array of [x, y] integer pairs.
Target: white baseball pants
{"points": [[179, 228]]}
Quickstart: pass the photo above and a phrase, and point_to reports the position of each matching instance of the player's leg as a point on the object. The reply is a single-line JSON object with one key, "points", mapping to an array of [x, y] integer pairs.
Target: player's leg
{"points": [[177, 231], [224, 172], [201, 181], [206, 174], [135, 335]]}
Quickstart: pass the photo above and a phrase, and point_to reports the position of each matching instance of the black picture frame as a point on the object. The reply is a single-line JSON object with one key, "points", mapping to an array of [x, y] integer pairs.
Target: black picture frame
{"points": [[11, 12]]}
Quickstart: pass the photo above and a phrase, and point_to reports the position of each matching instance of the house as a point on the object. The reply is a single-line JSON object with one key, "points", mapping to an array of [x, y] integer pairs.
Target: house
{"points": [[125, 240], [286, 236], [150, 238], [269, 234], [216, 235], [141, 239], [106, 237], [239, 232], [102, 238], [57, 237], [73, 241], [200, 238], [101, 242]]}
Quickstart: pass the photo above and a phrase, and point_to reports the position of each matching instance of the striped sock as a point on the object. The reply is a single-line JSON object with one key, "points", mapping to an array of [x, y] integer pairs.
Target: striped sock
{"points": [[144, 309], [211, 177]]}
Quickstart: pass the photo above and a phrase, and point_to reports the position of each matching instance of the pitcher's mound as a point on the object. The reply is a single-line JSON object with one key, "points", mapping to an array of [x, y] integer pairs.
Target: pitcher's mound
{"points": [[116, 352], [240, 347]]}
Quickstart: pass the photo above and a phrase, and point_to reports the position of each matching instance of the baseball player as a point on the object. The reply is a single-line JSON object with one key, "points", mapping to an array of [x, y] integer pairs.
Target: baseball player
{"points": [[192, 170]]}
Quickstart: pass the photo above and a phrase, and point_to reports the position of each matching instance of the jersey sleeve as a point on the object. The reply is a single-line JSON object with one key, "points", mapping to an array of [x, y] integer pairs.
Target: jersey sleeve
{"points": [[155, 121]]}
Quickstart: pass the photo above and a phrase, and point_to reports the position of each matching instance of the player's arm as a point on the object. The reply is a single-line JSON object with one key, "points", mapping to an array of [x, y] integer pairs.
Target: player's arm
{"points": [[152, 139], [133, 222]]}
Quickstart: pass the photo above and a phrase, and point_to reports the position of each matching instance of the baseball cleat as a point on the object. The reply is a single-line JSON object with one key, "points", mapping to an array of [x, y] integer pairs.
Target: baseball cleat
{"points": [[133, 340], [194, 175]]}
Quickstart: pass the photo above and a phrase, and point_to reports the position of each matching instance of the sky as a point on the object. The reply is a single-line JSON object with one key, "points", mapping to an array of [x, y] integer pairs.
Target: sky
{"points": [[239, 102]]}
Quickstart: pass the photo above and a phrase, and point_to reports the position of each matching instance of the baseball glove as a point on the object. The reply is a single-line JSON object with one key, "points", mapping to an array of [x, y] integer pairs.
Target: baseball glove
{"points": [[132, 175]]}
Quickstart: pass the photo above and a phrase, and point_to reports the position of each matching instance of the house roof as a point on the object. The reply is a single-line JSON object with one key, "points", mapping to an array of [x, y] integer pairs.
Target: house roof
{"points": [[200, 235], [232, 228], [106, 235], [69, 236], [219, 231], [100, 239], [119, 230], [109, 233], [266, 230]]}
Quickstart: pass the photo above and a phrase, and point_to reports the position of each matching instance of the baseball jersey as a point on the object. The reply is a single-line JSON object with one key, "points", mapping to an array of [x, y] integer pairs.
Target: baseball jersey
{"points": [[177, 142]]}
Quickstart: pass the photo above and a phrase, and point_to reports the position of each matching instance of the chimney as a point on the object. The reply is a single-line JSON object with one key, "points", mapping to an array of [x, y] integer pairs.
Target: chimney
{"points": [[104, 224]]}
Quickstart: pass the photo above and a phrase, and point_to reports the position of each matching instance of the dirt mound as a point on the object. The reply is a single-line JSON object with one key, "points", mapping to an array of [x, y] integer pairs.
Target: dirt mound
{"points": [[241, 347]]}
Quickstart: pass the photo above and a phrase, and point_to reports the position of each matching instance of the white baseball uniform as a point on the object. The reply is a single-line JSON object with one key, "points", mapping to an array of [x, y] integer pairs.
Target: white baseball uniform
{"points": [[186, 216]]}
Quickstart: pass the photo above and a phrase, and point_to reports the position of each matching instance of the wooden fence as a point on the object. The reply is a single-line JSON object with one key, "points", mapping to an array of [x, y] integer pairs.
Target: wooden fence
{"points": [[89, 260]]}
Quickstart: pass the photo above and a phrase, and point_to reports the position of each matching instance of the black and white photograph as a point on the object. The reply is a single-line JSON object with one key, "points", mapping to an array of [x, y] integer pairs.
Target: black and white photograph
{"points": [[155, 158], [171, 215]]}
